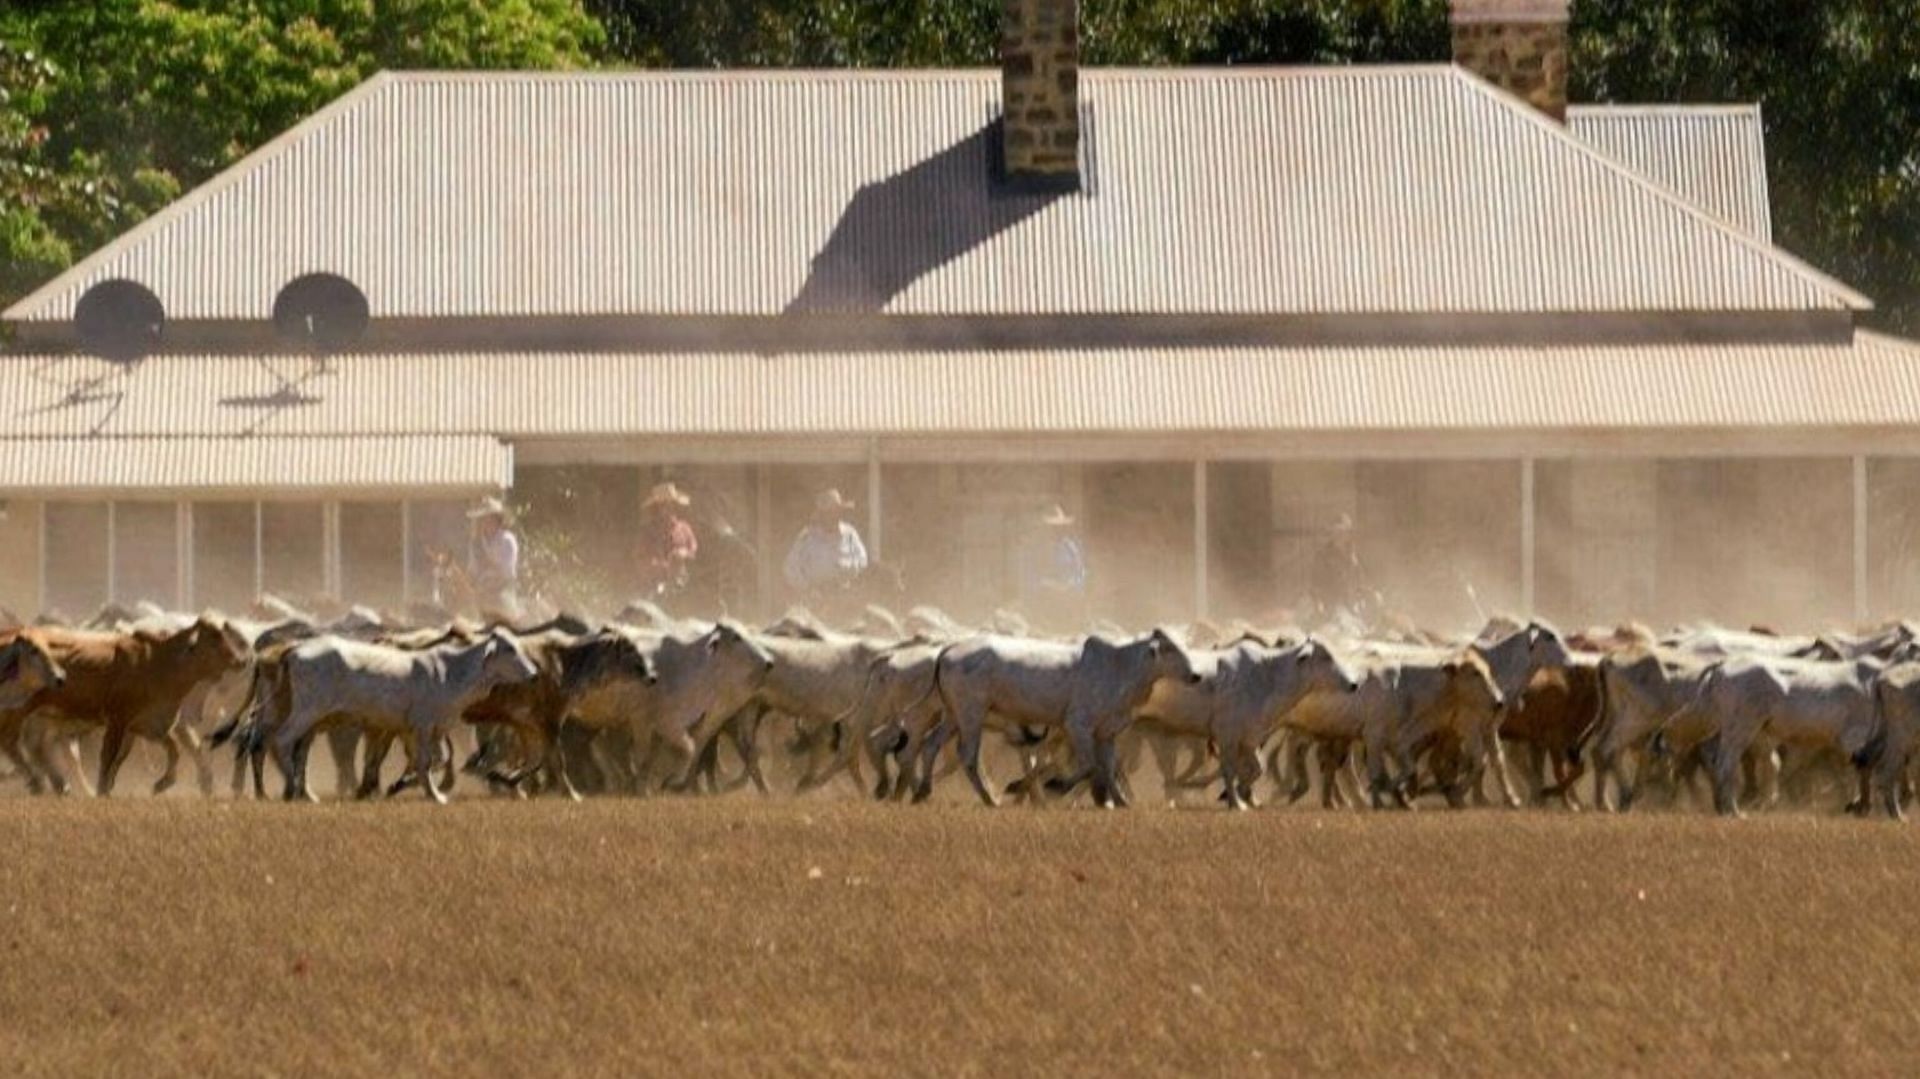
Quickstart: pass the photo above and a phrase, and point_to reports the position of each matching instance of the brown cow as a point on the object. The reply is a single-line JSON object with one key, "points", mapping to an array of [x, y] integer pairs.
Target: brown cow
{"points": [[1557, 714], [129, 683]]}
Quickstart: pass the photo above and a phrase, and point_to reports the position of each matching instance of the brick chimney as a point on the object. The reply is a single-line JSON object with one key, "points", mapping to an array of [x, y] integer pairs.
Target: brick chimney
{"points": [[1040, 92], [1517, 45]]}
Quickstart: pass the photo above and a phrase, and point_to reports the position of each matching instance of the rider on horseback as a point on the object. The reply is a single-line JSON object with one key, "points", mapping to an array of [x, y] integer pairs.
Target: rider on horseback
{"points": [[827, 557], [493, 561], [667, 544]]}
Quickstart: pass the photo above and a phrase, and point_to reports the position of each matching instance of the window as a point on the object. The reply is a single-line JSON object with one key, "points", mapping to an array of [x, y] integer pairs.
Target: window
{"points": [[76, 558], [146, 553], [293, 539], [223, 555], [370, 553]]}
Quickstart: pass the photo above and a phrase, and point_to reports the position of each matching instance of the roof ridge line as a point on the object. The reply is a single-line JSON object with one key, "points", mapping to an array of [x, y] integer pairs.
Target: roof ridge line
{"points": [[1655, 108], [1168, 72], [1848, 297]]}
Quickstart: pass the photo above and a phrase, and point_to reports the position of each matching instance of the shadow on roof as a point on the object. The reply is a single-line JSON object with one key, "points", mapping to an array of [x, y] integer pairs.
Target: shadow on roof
{"points": [[899, 229]]}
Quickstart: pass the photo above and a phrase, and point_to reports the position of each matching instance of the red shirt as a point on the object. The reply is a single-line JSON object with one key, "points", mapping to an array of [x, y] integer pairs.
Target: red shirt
{"points": [[666, 538]]}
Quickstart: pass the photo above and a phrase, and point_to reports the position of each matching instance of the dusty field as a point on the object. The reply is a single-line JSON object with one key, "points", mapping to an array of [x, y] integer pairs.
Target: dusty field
{"points": [[176, 936]]}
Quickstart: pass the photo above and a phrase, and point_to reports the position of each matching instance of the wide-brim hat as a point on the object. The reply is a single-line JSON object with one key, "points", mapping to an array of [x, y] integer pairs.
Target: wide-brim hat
{"points": [[1057, 517], [488, 507], [1343, 523], [668, 494], [831, 499]]}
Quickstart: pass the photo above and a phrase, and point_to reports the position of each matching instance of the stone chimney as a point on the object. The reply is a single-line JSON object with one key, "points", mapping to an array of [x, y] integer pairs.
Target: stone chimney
{"points": [[1517, 45], [1040, 92]]}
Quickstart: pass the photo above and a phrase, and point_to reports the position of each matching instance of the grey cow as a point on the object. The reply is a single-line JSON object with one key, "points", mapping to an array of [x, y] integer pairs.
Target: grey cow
{"points": [[1090, 690]]}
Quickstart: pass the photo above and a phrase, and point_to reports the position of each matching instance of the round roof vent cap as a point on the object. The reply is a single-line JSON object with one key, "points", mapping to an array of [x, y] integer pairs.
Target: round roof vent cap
{"points": [[320, 312], [119, 320]]}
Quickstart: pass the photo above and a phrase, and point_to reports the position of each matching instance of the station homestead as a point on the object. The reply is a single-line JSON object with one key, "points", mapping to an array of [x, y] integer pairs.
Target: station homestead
{"points": [[1545, 356]]}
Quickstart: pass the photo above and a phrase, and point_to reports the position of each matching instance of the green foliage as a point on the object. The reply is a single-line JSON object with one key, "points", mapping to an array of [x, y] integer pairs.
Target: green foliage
{"points": [[1840, 85], [110, 108]]}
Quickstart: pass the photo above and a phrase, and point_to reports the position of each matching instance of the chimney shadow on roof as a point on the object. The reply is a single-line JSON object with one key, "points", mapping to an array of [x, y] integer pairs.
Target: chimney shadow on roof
{"points": [[897, 230]]}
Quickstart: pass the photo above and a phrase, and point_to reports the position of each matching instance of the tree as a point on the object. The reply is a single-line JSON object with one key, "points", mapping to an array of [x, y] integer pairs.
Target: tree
{"points": [[52, 203], [1839, 84], [127, 102]]}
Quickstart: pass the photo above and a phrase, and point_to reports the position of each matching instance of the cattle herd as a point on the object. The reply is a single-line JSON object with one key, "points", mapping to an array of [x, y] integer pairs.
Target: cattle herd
{"points": [[644, 703]]}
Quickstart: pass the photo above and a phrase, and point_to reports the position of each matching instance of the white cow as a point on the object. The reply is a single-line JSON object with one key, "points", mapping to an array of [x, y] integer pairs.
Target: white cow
{"points": [[1089, 690], [1257, 687], [1751, 704], [416, 695]]}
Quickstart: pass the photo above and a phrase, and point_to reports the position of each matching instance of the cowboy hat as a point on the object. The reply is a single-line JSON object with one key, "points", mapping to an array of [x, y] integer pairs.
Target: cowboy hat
{"points": [[667, 493], [488, 507], [1057, 516], [831, 499], [1343, 523]]}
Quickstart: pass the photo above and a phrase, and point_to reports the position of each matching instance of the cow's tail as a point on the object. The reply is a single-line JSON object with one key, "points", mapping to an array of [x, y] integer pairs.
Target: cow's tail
{"points": [[242, 714], [1591, 728]]}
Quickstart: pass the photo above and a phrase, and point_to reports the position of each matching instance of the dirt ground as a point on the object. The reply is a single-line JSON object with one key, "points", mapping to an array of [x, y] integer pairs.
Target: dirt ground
{"points": [[738, 936]]}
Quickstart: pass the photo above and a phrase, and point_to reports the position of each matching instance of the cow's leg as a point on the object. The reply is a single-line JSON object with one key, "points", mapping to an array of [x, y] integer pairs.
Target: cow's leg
{"points": [[684, 756], [556, 761], [284, 743], [191, 741], [1081, 740], [1496, 759], [341, 742], [425, 741], [170, 774], [746, 742], [113, 753], [1892, 767], [1725, 763], [1330, 760], [1297, 748], [930, 746], [970, 723], [1106, 772], [45, 775], [376, 757], [12, 743]]}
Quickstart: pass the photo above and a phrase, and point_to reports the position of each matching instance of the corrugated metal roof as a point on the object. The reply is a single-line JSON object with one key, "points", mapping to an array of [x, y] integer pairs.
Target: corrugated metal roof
{"points": [[1715, 155], [1309, 190], [212, 466], [1874, 381]]}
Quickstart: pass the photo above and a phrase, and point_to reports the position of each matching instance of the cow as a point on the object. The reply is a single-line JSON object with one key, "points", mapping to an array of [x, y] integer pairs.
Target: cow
{"points": [[1408, 699], [1721, 643], [1257, 688], [1897, 704], [414, 694], [1090, 691], [572, 672], [1640, 690], [898, 709], [1750, 703], [818, 680], [130, 684], [1556, 715], [705, 677]]}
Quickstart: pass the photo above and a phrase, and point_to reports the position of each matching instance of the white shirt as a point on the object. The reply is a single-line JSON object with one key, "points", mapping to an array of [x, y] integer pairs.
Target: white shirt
{"points": [[825, 556]]}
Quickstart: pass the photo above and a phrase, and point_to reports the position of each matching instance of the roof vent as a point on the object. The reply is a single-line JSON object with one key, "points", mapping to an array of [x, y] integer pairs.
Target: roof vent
{"points": [[320, 313], [119, 320]]}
